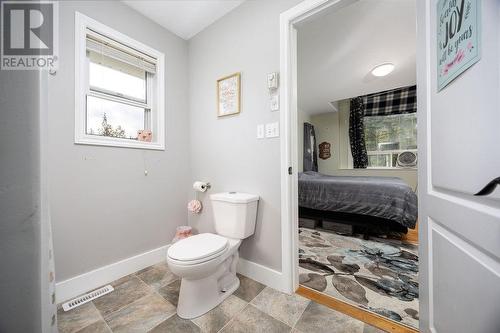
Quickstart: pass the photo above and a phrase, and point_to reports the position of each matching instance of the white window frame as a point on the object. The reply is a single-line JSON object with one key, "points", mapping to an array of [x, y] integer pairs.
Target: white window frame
{"points": [[155, 88]]}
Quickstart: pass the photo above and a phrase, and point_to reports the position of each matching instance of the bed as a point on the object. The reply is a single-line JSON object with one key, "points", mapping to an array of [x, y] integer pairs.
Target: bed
{"points": [[382, 202]]}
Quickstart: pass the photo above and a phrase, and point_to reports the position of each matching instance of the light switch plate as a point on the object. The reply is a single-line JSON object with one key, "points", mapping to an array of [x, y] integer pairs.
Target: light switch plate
{"points": [[269, 130], [273, 130], [260, 131]]}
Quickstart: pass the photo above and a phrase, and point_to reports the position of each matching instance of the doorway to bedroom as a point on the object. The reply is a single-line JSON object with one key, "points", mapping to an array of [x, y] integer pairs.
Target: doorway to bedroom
{"points": [[357, 159]]}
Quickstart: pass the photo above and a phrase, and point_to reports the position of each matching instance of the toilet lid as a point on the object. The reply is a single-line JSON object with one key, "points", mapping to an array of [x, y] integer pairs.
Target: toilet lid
{"points": [[197, 247]]}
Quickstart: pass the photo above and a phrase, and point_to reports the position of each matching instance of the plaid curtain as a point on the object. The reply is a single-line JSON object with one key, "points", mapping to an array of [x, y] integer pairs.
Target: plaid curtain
{"points": [[357, 133], [310, 152], [395, 101]]}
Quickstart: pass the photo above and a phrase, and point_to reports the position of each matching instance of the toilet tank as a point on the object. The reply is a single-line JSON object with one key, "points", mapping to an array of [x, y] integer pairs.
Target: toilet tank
{"points": [[235, 214]]}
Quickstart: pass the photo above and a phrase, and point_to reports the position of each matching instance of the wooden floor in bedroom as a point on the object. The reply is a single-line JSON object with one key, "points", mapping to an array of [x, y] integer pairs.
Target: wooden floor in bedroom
{"points": [[411, 236], [353, 311]]}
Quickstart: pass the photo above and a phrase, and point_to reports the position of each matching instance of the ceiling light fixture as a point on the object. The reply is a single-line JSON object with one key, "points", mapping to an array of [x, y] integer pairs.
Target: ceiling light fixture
{"points": [[383, 69]]}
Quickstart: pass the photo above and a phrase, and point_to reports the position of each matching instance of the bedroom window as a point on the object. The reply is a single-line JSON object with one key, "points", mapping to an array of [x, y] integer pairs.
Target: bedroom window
{"points": [[388, 136], [119, 89]]}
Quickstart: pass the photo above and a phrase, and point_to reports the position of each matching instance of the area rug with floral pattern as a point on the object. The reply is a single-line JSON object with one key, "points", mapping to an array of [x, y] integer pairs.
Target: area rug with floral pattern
{"points": [[380, 275]]}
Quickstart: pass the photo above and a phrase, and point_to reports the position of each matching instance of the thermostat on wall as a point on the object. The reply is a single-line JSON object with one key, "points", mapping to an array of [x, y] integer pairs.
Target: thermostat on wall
{"points": [[272, 80]]}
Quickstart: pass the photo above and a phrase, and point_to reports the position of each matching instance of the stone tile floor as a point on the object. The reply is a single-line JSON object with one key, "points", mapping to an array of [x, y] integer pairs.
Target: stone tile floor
{"points": [[146, 300]]}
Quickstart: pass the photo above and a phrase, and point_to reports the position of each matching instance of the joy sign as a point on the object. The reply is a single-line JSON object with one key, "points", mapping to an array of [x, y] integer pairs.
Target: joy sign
{"points": [[458, 38]]}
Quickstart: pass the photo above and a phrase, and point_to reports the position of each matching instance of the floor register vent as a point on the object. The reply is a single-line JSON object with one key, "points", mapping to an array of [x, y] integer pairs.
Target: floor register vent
{"points": [[87, 297]]}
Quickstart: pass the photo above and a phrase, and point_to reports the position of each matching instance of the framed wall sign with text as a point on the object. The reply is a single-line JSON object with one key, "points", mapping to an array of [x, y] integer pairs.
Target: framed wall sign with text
{"points": [[458, 38], [229, 95]]}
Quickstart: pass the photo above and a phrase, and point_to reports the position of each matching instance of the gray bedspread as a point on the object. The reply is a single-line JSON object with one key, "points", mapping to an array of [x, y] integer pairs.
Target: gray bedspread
{"points": [[386, 197]]}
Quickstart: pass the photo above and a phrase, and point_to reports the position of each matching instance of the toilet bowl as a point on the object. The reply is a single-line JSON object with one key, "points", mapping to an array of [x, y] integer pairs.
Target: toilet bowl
{"points": [[207, 278], [206, 263]]}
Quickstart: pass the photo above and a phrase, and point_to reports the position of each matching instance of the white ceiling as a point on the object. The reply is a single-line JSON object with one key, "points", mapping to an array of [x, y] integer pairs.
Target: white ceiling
{"points": [[337, 50], [185, 18]]}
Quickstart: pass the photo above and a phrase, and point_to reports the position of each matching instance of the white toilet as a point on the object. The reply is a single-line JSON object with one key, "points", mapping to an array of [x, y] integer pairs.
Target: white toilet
{"points": [[206, 263]]}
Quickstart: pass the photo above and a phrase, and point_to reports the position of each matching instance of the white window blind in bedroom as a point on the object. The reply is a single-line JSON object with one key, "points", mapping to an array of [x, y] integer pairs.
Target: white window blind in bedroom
{"points": [[107, 47]]}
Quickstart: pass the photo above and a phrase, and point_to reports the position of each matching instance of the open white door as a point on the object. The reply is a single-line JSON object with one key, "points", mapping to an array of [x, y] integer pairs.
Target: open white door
{"points": [[459, 150]]}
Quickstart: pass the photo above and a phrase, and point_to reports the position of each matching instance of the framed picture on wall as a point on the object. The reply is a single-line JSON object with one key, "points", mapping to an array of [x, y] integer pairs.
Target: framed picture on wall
{"points": [[458, 38], [229, 95]]}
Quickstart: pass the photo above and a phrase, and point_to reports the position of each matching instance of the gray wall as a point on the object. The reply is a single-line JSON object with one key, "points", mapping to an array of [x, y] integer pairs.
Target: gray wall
{"points": [[20, 288], [225, 151], [104, 209]]}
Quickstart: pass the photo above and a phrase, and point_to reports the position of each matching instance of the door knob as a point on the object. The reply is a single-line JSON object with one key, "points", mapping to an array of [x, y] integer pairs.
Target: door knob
{"points": [[489, 188]]}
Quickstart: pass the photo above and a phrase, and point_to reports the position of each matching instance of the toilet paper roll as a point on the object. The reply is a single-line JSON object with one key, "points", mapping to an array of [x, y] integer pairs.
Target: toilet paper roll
{"points": [[200, 186]]}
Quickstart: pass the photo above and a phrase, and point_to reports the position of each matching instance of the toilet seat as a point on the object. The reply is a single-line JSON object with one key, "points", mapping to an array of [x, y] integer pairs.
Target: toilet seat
{"points": [[198, 249]]}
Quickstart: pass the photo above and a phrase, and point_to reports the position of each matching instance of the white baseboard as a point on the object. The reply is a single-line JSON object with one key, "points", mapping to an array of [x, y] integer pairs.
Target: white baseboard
{"points": [[80, 284], [262, 274], [83, 283]]}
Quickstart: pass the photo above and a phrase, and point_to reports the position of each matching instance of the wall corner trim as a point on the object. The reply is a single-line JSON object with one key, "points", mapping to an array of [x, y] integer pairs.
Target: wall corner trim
{"points": [[262, 274], [88, 281]]}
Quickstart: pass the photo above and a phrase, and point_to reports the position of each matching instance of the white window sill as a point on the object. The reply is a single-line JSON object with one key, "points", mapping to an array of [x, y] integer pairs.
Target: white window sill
{"points": [[121, 143], [384, 169], [393, 169]]}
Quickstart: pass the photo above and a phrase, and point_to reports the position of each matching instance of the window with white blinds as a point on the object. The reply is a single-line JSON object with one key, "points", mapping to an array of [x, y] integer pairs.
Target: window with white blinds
{"points": [[120, 89], [103, 45]]}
